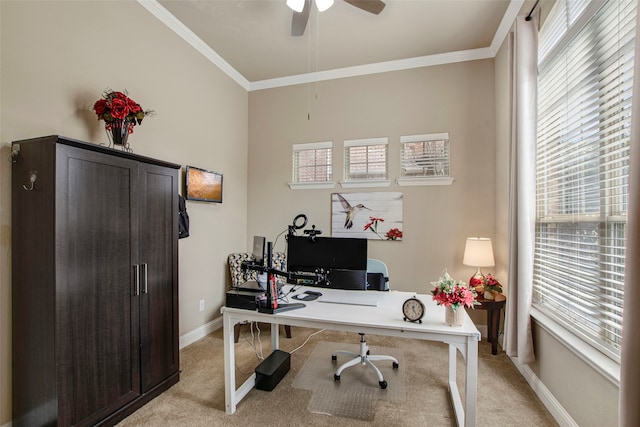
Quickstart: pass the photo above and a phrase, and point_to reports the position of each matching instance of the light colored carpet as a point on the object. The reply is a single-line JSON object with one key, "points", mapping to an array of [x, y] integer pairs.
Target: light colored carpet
{"points": [[355, 395], [504, 398]]}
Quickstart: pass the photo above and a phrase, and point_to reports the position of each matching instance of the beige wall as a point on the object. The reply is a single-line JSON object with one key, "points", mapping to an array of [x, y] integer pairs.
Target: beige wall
{"points": [[57, 58], [456, 98]]}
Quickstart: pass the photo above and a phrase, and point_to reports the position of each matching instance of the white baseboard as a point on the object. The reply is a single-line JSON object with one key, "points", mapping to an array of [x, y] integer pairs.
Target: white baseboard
{"points": [[483, 330], [561, 416], [199, 333]]}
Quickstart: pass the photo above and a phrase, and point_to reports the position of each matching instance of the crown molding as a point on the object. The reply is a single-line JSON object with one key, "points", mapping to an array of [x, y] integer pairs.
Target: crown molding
{"points": [[380, 67], [505, 25], [167, 18], [191, 38]]}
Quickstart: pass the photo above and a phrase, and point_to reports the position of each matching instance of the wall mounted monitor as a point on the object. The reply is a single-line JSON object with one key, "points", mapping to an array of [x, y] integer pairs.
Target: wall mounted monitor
{"points": [[203, 185]]}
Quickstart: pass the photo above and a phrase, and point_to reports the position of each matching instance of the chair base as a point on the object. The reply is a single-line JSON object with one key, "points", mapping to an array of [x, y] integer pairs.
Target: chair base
{"points": [[236, 331], [364, 358]]}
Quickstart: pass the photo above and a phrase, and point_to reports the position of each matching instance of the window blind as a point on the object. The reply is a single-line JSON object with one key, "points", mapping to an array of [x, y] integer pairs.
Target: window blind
{"points": [[559, 23], [582, 165], [424, 155], [365, 159], [312, 162]]}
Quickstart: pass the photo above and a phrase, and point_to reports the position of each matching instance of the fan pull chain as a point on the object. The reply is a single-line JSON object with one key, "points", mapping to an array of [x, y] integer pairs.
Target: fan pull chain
{"points": [[309, 71]]}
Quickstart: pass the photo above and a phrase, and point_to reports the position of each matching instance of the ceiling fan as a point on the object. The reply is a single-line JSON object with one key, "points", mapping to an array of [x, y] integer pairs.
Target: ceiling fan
{"points": [[301, 9]]}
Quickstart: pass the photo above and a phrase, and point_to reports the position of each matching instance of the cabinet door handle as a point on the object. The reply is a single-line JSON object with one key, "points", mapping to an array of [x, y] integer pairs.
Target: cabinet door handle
{"points": [[136, 279], [145, 288]]}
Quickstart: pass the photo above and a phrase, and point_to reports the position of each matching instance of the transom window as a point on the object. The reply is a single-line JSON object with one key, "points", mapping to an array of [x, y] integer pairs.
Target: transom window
{"points": [[312, 162], [425, 155], [365, 159]]}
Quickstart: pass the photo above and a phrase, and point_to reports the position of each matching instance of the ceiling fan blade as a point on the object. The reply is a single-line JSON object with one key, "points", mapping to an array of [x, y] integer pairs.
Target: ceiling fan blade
{"points": [[371, 6], [300, 19]]}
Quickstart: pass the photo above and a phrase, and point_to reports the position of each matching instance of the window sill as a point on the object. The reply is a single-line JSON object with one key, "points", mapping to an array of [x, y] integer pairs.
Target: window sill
{"points": [[414, 182], [366, 183], [608, 368], [311, 185]]}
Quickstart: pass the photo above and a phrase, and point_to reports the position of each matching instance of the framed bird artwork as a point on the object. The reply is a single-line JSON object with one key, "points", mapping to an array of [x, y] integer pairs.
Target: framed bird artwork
{"points": [[376, 216]]}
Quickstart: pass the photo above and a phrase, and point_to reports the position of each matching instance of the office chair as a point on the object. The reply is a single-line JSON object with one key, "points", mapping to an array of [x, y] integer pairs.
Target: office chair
{"points": [[375, 269], [239, 276]]}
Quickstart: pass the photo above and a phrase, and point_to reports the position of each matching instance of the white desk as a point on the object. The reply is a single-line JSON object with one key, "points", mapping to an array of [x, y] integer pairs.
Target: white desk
{"points": [[385, 319]]}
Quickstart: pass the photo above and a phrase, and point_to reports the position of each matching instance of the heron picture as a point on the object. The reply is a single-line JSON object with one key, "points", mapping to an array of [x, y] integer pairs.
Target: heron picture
{"points": [[376, 216]]}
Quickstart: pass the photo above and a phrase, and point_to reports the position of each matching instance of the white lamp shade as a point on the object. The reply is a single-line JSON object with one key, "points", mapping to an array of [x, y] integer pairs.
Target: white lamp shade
{"points": [[478, 252], [323, 5], [296, 5]]}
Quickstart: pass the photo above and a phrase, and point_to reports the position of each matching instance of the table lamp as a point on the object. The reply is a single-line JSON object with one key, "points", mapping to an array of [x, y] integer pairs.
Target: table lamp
{"points": [[478, 252]]}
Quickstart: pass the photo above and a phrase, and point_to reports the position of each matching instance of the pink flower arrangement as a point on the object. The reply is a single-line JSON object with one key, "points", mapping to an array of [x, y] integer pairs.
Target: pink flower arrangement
{"points": [[449, 293], [492, 284]]}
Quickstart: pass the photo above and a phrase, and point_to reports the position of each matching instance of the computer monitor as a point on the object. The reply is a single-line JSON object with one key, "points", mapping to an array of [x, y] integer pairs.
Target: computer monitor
{"points": [[258, 249], [344, 259], [353, 280]]}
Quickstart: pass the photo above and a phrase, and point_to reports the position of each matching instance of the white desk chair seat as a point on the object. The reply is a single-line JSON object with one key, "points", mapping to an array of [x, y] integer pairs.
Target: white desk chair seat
{"points": [[364, 357]]}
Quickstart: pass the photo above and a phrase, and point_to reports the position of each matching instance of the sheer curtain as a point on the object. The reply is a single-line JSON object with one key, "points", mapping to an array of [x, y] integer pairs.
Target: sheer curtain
{"points": [[629, 373], [518, 339]]}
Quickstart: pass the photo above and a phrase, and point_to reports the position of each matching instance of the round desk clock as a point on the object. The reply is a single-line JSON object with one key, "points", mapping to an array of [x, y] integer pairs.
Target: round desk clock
{"points": [[413, 310]]}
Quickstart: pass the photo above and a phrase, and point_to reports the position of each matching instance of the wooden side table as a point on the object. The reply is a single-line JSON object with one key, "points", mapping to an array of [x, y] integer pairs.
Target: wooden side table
{"points": [[493, 318]]}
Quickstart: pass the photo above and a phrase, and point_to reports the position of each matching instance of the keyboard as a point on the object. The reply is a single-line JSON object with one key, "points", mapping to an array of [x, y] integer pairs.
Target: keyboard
{"points": [[355, 300]]}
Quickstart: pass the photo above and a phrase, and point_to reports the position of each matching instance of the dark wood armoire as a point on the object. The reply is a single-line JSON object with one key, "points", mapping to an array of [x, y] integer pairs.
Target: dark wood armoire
{"points": [[94, 282]]}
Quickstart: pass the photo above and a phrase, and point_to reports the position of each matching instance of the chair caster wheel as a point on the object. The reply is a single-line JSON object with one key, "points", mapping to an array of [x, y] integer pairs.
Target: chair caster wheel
{"points": [[395, 365], [383, 384], [334, 357], [337, 378]]}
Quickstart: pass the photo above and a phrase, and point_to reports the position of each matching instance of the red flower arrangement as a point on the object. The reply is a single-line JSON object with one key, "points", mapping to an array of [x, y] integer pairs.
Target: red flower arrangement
{"points": [[449, 293], [117, 107]]}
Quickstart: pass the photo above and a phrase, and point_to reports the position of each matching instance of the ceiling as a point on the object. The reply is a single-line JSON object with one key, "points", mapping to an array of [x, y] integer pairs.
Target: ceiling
{"points": [[251, 39]]}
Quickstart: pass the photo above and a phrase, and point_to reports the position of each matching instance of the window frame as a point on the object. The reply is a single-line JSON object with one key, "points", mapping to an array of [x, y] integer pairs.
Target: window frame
{"points": [[368, 179], [606, 213], [317, 147], [419, 180]]}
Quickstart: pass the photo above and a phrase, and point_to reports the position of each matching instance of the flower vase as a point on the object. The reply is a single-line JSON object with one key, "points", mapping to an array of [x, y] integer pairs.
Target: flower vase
{"points": [[118, 132], [453, 317], [489, 295]]}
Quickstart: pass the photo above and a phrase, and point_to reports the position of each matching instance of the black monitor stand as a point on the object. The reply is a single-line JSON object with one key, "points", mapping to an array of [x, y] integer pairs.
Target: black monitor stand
{"points": [[272, 306]]}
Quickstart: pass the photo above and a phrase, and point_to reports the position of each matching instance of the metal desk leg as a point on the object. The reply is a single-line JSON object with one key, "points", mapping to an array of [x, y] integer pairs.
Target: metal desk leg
{"points": [[454, 392], [465, 414], [229, 365], [471, 391], [232, 396], [275, 336]]}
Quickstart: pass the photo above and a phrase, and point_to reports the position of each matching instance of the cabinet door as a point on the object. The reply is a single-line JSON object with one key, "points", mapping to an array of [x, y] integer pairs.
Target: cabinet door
{"points": [[158, 217], [97, 334]]}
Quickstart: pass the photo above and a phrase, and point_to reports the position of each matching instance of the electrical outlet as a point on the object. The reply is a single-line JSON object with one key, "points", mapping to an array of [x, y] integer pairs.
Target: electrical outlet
{"points": [[201, 305]]}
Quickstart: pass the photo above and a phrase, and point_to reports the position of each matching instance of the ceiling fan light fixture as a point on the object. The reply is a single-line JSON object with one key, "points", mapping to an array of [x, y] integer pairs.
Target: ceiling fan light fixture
{"points": [[323, 5], [297, 5]]}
